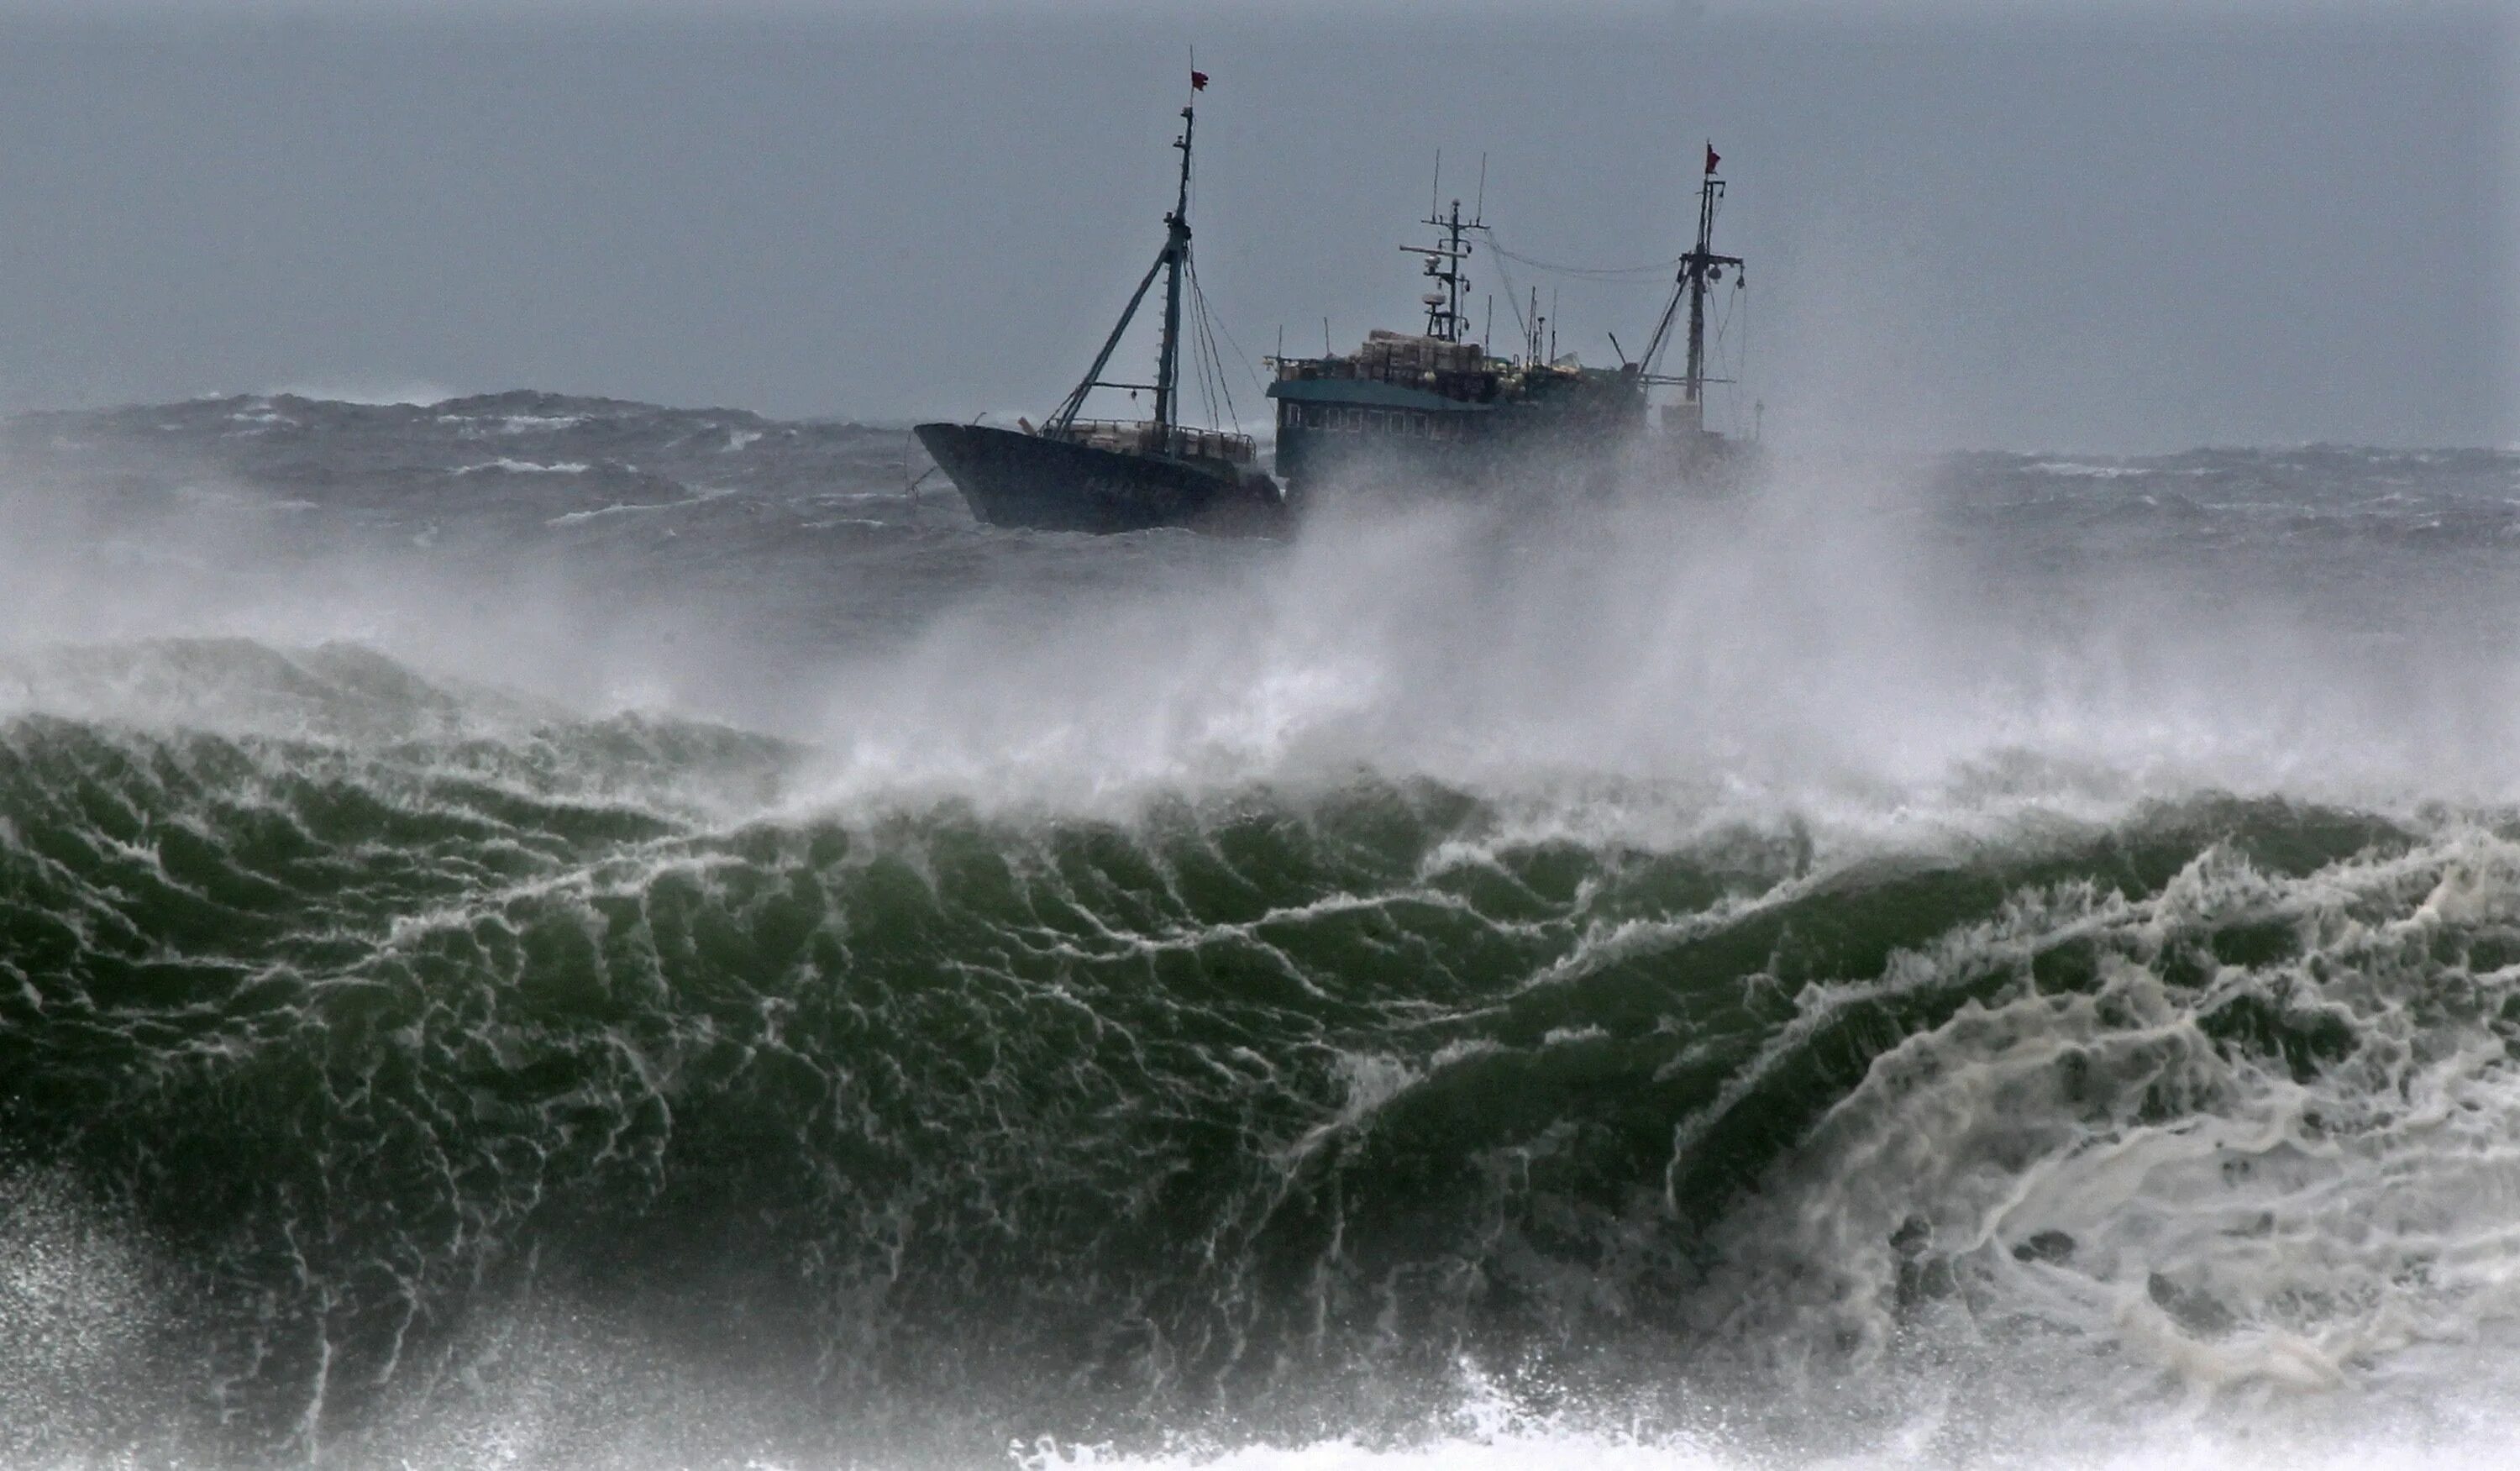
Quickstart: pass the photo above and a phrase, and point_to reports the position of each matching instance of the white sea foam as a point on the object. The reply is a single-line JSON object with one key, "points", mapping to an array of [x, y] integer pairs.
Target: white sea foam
{"points": [[526, 468], [618, 508], [373, 393], [1540, 1450], [701, 497], [2091, 1184], [2079, 469]]}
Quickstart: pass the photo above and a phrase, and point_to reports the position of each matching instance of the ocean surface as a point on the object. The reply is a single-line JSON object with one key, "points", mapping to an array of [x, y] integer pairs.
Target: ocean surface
{"points": [[554, 932]]}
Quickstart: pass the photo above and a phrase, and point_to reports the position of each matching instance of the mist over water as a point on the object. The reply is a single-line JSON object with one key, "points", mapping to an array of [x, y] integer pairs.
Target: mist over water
{"points": [[556, 931]]}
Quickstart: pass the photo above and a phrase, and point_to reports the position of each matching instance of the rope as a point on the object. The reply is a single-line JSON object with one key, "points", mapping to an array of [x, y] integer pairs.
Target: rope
{"points": [[1513, 299], [1240, 355], [1738, 299], [1216, 366], [1589, 273], [1211, 363]]}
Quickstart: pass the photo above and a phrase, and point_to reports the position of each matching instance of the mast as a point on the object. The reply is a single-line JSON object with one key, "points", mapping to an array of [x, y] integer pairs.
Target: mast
{"points": [[1170, 261], [1175, 256], [1699, 269], [1445, 318]]}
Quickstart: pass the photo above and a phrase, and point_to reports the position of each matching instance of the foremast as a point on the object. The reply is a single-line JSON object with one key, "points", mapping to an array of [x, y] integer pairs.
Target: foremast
{"points": [[1172, 262]]}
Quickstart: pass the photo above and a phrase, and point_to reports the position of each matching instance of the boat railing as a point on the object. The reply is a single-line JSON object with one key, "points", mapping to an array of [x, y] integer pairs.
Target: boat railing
{"points": [[1146, 437]]}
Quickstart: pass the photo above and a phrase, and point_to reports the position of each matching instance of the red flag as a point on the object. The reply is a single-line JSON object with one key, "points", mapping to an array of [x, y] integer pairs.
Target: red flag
{"points": [[1198, 81], [1711, 159]]}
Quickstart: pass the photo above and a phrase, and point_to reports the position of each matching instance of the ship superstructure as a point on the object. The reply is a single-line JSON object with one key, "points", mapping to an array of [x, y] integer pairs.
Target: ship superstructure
{"points": [[1433, 411]]}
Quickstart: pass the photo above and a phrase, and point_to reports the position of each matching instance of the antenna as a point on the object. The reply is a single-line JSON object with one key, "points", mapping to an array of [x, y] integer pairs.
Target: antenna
{"points": [[1481, 208], [1446, 322]]}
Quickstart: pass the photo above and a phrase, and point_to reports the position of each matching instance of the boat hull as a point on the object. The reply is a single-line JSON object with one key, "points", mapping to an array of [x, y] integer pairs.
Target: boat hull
{"points": [[1331, 449], [1015, 479]]}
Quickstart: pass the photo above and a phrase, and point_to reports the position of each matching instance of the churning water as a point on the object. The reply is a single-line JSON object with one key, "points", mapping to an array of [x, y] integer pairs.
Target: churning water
{"points": [[554, 932]]}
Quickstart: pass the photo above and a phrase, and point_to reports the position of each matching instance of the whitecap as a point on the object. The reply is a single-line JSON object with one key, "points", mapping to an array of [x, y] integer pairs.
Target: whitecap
{"points": [[527, 468], [2087, 472]]}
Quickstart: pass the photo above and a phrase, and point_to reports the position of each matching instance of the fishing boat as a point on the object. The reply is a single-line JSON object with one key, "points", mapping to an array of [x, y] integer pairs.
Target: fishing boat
{"points": [[1432, 411], [1075, 473]]}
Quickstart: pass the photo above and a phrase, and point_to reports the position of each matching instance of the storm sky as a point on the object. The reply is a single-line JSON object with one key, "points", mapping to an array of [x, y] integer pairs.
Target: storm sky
{"points": [[2130, 229]]}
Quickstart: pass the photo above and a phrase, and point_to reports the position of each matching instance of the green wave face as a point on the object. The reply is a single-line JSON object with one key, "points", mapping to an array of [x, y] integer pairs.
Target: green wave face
{"points": [[370, 1091]]}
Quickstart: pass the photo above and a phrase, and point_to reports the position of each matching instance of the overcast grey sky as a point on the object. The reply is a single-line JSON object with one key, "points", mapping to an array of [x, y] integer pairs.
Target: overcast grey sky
{"points": [[2127, 229]]}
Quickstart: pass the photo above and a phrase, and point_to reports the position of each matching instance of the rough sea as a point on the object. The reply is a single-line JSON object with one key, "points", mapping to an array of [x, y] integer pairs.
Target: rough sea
{"points": [[554, 932]]}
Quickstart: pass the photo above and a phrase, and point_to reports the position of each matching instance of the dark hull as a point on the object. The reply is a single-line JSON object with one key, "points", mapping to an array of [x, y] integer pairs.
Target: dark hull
{"points": [[1591, 435], [1013, 479], [1539, 463]]}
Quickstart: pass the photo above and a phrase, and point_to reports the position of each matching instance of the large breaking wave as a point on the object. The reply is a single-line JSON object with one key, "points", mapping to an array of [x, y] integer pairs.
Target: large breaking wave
{"points": [[363, 1088], [1302, 1010]]}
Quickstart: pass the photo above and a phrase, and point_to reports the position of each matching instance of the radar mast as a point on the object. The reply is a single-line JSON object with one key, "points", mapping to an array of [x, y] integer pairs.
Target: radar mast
{"points": [[1445, 318]]}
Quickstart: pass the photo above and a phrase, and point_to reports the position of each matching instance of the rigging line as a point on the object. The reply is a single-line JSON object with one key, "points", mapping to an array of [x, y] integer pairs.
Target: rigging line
{"points": [[1652, 272], [1208, 327], [1216, 374], [1725, 366], [1199, 345], [1199, 367], [1199, 352], [1238, 355], [1734, 367], [1513, 299], [1743, 372], [1216, 370], [1604, 273], [1737, 299]]}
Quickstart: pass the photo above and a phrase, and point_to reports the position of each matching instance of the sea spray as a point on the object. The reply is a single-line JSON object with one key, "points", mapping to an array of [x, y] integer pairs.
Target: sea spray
{"points": [[1988, 970], [1256, 1103]]}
